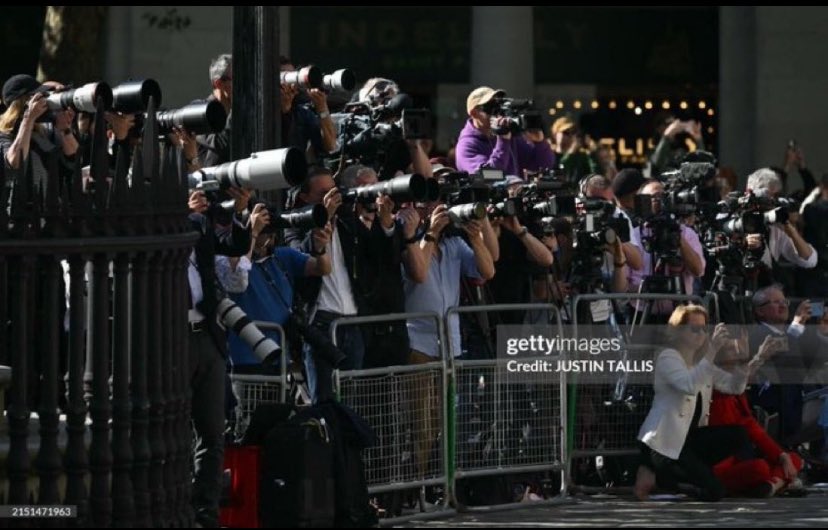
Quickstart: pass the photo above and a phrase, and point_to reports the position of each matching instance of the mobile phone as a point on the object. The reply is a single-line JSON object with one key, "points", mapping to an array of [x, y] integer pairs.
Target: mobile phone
{"points": [[818, 309]]}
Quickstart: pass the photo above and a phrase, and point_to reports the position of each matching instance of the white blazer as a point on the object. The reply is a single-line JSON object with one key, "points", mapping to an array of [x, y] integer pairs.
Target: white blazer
{"points": [[676, 387]]}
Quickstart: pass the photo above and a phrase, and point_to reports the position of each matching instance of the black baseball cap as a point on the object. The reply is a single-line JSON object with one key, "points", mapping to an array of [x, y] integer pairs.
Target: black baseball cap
{"points": [[21, 85]]}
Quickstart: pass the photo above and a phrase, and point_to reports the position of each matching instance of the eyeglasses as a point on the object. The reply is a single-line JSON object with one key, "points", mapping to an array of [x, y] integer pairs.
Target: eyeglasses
{"points": [[697, 329]]}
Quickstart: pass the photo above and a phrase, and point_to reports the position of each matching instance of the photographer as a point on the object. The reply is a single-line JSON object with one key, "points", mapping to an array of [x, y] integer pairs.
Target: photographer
{"points": [[522, 256], [359, 252], [487, 139], [411, 156], [673, 135], [306, 119], [433, 268], [24, 139], [266, 281], [572, 159], [692, 262], [599, 187], [782, 241], [625, 187], [207, 346], [214, 149]]}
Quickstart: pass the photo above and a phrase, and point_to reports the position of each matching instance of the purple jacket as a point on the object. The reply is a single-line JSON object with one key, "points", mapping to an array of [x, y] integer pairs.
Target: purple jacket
{"points": [[476, 150]]}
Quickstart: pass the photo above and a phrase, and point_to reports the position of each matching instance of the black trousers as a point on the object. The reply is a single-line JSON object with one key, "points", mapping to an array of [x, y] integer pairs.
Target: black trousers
{"points": [[703, 448]]}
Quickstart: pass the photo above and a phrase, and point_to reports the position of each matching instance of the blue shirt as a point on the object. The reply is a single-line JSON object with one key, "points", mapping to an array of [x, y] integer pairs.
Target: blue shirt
{"points": [[267, 287], [437, 294]]}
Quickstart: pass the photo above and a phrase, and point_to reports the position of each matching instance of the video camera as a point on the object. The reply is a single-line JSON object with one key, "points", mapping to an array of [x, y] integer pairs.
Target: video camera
{"points": [[376, 136], [520, 113]]}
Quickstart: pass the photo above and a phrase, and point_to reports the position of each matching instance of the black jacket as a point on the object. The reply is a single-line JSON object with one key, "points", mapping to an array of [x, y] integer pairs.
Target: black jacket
{"points": [[372, 259], [226, 241]]}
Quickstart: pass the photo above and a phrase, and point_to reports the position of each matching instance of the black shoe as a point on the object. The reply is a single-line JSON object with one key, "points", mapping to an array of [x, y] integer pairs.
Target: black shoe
{"points": [[762, 491]]}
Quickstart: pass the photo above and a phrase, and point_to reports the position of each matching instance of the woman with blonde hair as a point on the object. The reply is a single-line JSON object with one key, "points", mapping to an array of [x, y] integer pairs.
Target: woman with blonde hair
{"points": [[26, 140], [677, 445]]}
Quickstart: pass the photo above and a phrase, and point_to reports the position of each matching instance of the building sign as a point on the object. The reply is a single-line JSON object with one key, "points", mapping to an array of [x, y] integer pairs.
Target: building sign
{"points": [[407, 44]]}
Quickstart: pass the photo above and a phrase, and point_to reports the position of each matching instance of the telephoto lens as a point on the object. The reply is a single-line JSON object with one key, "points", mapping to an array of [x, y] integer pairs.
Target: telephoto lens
{"points": [[463, 213], [81, 99], [266, 170], [206, 117], [236, 320], [305, 218], [132, 97], [405, 188], [340, 81], [307, 77]]}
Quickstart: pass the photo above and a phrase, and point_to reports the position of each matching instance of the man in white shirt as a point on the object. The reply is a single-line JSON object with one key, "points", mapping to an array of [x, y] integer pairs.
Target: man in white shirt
{"points": [[784, 240]]}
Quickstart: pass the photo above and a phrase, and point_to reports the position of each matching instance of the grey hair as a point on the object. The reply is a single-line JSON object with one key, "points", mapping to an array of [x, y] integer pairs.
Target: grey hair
{"points": [[220, 66], [351, 174], [764, 182], [594, 182], [762, 296]]}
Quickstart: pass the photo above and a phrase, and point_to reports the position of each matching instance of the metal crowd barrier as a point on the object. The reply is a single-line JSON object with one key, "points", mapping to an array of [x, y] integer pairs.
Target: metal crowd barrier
{"points": [[254, 390], [406, 407], [505, 425], [603, 421]]}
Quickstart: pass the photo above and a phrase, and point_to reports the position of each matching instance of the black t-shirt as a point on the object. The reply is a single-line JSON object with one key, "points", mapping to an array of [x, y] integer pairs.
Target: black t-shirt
{"points": [[512, 282]]}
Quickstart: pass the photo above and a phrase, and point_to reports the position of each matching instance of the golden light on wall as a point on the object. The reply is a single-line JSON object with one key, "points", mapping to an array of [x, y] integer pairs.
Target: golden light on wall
{"points": [[577, 104], [665, 105], [648, 105]]}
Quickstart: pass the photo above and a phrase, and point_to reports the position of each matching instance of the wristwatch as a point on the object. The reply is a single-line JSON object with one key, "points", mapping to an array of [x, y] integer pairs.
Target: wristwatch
{"points": [[523, 233], [324, 114], [430, 238], [415, 239], [316, 253]]}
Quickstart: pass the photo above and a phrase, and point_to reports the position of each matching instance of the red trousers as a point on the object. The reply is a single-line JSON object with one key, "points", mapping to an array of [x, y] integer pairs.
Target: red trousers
{"points": [[739, 477]]}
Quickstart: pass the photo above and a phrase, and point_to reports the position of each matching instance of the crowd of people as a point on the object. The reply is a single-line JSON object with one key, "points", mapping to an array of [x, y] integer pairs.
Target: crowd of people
{"points": [[395, 255]]}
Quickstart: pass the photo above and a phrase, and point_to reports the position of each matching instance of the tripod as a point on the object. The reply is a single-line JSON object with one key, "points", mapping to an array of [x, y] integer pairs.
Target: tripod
{"points": [[660, 282]]}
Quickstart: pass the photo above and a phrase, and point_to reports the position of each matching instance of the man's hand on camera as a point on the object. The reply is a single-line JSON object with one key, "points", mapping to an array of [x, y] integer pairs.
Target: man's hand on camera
{"points": [[474, 229], [319, 100], [288, 93], [242, 198], [503, 125], [120, 124], [410, 221], [332, 201], [385, 211], [512, 224], [321, 237], [198, 202], [259, 219], [439, 220]]}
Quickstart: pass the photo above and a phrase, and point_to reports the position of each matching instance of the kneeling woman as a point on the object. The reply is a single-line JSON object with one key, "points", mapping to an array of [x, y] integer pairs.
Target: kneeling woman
{"points": [[677, 446]]}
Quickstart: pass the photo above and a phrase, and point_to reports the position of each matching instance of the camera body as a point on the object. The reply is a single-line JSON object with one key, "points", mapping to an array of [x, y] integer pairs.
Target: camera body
{"points": [[521, 115], [376, 136]]}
